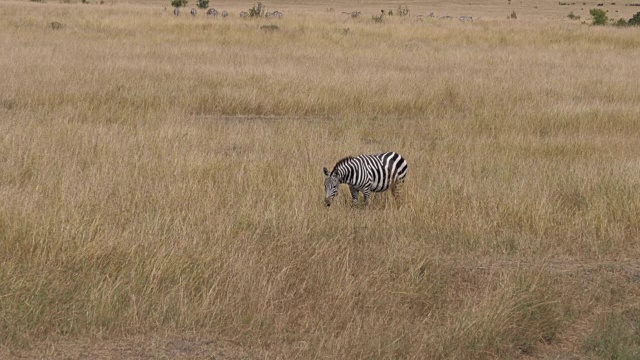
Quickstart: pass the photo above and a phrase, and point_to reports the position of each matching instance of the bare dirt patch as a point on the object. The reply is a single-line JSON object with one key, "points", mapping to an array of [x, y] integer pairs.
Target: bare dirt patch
{"points": [[138, 347]]}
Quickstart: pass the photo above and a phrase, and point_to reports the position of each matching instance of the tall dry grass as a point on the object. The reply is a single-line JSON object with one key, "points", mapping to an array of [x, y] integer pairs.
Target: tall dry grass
{"points": [[163, 174]]}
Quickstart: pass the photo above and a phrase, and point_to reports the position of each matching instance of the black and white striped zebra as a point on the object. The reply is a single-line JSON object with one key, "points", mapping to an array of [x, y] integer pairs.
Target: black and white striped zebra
{"points": [[176, 11], [225, 13], [194, 12], [366, 174], [212, 12]]}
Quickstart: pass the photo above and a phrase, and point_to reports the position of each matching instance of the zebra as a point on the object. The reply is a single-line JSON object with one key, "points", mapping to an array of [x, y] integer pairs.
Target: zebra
{"points": [[225, 13], [244, 14], [176, 11], [194, 12], [465, 18], [366, 173], [277, 14], [213, 12]]}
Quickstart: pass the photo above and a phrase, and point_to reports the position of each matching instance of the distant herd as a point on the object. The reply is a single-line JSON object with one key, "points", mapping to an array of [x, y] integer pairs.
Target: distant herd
{"points": [[224, 13], [278, 14], [598, 4], [354, 14]]}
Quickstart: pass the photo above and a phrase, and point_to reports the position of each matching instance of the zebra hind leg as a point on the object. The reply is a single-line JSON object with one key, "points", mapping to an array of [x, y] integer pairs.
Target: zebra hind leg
{"points": [[397, 190]]}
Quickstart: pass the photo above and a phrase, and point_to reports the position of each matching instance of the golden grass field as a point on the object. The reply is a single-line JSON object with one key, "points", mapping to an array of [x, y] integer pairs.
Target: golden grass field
{"points": [[161, 182]]}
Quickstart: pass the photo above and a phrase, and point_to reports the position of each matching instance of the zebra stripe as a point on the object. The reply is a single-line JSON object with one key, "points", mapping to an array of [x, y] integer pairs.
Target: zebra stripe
{"points": [[213, 12], [366, 174], [194, 12], [176, 11], [225, 13]]}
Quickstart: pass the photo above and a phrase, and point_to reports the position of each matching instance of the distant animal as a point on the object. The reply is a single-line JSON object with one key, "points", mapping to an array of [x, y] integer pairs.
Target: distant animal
{"points": [[225, 13], [366, 174], [277, 14], [176, 11], [465, 18], [244, 14], [355, 14], [194, 12], [212, 12]]}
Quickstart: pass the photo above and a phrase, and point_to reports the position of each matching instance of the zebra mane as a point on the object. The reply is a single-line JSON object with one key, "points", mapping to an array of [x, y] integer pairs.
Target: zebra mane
{"points": [[340, 162]]}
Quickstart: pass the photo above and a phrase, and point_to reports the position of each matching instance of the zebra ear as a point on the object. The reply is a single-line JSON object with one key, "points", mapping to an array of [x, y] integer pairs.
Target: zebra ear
{"points": [[326, 171]]}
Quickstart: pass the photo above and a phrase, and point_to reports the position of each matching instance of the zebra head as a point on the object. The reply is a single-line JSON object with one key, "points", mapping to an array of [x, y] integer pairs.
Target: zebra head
{"points": [[331, 183]]}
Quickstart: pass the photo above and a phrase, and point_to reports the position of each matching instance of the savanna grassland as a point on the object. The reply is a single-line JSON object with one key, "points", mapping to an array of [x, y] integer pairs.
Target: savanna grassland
{"points": [[161, 183]]}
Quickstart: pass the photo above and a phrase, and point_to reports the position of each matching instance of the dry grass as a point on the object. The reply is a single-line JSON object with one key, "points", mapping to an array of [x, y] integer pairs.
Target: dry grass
{"points": [[162, 175]]}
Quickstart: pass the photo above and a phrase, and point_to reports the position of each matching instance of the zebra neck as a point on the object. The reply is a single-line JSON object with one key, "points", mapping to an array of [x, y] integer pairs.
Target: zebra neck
{"points": [[345, 178]]}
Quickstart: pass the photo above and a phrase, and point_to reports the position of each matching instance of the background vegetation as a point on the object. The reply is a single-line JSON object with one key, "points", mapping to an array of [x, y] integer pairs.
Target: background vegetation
{"points": [[161, 176]]}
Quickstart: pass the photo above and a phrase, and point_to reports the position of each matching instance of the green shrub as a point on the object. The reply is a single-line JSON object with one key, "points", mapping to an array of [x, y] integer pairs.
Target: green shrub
{"points": [[202, 4], [257, 10], [621, 23], [635, 20], [178, 3], [599, 16]]}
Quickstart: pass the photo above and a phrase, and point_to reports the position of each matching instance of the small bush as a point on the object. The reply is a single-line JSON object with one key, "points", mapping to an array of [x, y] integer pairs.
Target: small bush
{"points": [[257, 10], [599, 16], [621, 23], [635, 20], [178, 3], [513, 15], [202, 4], [39, 1], [572, 16], [377, 19]]}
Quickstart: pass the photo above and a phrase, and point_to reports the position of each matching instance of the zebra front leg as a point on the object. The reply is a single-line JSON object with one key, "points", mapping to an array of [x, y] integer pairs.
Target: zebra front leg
{"points": [[354, 195]]}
